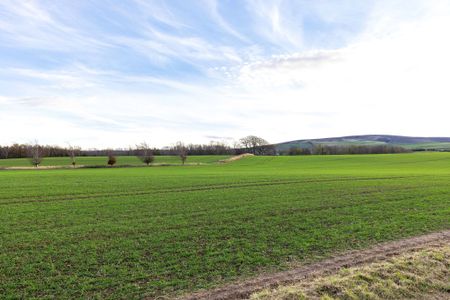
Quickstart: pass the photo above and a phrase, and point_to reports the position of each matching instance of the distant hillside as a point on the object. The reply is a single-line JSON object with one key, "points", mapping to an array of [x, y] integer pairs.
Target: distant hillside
{"points": [[413, 143]]}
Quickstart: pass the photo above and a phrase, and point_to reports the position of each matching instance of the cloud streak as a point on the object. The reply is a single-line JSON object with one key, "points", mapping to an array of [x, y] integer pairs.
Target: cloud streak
{"points": [[114, 74]]}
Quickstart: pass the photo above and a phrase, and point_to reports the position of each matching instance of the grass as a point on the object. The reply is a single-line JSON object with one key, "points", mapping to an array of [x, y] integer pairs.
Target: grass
{"points": [[146, 232], [308, 144], [430, 146], [421, 275], [102, 160]]}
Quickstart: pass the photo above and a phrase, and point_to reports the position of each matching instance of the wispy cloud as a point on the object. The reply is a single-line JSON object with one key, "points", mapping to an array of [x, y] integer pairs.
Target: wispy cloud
{"points": [[111, 73], [213, 9], [285, 70], [273, 21], [27, 24]]}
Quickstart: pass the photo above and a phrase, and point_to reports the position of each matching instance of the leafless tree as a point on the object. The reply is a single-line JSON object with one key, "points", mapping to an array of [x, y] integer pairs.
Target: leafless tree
{"points": [[144, 153], [72, 152], [111, 158], [237, 145], [181, 151], [252, 143], [5, 151], [35, 153]]}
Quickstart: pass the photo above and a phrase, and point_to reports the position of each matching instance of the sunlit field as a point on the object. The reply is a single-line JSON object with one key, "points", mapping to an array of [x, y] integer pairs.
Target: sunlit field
{"points": [[102, 161], [168, 230]]}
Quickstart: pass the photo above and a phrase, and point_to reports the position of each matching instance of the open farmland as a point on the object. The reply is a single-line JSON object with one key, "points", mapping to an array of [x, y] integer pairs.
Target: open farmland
{"points": [[102, 160], [147, 232]]}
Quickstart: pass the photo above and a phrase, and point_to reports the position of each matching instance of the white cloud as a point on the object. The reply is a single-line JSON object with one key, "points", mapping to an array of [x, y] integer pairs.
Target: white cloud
{"points": [[285, 70], [391, 78], [213, 9], [155, 10], [275, 22], [28, 24]]}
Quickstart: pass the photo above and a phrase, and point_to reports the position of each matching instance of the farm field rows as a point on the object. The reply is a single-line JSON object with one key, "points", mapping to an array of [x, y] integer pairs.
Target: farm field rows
{"points": [[148, 232], [102, 160]]}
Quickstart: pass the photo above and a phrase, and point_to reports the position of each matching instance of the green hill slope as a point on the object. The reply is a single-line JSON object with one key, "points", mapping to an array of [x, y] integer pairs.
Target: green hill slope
{"points": [[412, 143]]}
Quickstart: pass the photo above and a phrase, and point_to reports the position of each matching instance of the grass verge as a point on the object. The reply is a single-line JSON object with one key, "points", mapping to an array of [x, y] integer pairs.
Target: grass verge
{"points": [[424, 274]]}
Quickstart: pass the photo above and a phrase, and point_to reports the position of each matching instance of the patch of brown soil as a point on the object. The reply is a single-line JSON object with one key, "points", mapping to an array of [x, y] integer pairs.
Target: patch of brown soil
{"points": [[41, 167], [236, 157]]}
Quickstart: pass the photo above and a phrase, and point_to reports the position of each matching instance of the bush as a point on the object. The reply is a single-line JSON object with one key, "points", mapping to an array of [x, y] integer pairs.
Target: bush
{"points": [[111, 160]]}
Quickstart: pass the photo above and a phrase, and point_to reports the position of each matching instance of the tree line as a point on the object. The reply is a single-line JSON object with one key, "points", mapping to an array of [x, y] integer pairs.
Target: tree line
{"points": [[23, 150], [252, 144], [36, 152], [320, 149], [249, 144]]}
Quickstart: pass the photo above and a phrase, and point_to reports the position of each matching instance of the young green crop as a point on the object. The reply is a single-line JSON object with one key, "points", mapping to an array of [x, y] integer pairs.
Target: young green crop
{"points": [[146, 232], [102, 160]]}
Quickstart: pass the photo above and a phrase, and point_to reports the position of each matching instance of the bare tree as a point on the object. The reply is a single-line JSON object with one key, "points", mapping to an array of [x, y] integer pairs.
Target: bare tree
{"points": [[72, 152], [5, 152], [181, 151], [237, 145], [35, 153], [144, 153], [252, 143], [111, 158]]}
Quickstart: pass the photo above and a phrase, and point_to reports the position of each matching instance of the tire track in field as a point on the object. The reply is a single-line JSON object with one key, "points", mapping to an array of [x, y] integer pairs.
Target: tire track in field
{"points": [[90, 196], [242, 290], [199, 213]]}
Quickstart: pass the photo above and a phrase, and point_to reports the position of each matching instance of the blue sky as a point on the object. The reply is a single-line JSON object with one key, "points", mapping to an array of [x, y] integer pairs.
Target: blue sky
{"points": [[115, 73]]}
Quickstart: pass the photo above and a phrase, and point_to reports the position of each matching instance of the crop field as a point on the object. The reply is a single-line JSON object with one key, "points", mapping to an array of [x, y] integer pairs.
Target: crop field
{"points": [[434, 146], [126, 233], [102, 160]]}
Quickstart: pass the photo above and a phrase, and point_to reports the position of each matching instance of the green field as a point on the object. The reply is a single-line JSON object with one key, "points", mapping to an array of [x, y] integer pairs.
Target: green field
{"points": [[129, 233], [102, 160], [427, 146]]}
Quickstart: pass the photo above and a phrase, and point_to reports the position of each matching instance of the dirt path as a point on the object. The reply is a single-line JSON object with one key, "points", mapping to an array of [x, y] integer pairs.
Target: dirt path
{"points": [[379, 252], [236, 157], [39, 168]]}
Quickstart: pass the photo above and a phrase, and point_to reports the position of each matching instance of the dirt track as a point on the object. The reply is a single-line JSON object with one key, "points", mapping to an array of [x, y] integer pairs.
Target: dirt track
{"points": [[236, 157], [353, 258]]}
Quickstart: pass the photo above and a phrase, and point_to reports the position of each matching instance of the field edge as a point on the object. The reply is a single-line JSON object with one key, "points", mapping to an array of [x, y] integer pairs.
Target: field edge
{"points": [[377, 253]]}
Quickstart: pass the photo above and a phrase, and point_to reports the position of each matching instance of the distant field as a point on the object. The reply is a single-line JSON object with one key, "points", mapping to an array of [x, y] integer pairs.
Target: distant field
{"points": [[102, 160], [427, 146], [146, 232]]}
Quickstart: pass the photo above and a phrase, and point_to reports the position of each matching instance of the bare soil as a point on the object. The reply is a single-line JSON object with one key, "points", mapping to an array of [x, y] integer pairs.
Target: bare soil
{"points": [[380, 252], [236, 157], [39, 168]]}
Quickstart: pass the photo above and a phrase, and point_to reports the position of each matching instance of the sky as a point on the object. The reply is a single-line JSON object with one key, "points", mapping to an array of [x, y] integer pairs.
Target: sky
{"points": [[109, 73]]}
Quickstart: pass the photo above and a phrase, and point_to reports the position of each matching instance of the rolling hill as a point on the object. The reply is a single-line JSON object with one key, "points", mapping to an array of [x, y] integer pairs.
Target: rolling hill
{"points": [[413, 143]]}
